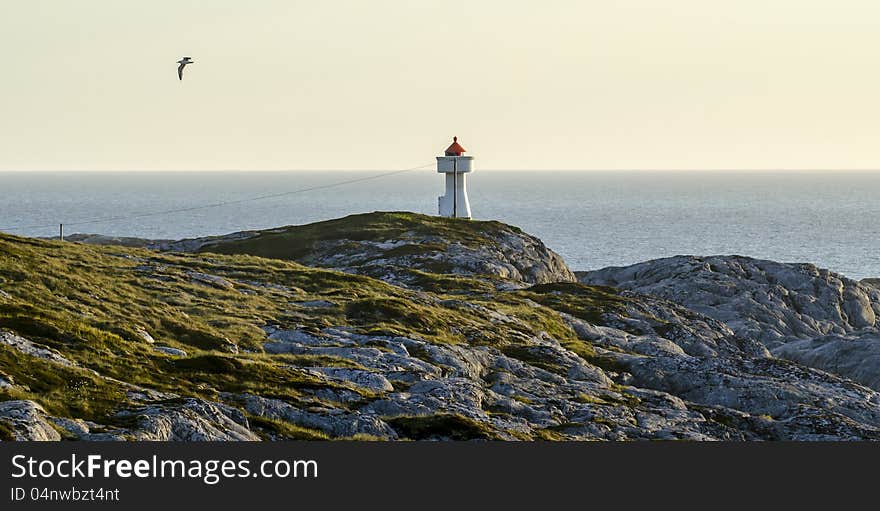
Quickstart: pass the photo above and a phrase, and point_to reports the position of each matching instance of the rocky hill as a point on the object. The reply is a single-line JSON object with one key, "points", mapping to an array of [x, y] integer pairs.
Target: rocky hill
{"points": [[800, 312], [401, 248], [383, 326]]}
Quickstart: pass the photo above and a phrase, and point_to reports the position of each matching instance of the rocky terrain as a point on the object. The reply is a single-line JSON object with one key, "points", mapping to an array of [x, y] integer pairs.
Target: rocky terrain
{"points": [[395, 326], [799, 312]]}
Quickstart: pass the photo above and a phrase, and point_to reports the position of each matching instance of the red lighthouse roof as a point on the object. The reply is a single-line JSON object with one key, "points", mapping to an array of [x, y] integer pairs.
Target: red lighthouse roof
{"points": [[455, 149]]}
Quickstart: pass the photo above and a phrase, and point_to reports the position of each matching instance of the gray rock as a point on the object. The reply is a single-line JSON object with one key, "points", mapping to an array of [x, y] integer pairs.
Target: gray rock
{"points": [[30, 348], [460, 396], [28, 421], [855, 356], [514, 257], [772, 302], [373, 358], [802, 313], [211, 280], [188, 420], [315, 304], [143, 334], [335, 422], [142, 395], [168, 350], [85, 430], [299, 338], [357, 377], [770, 387]]}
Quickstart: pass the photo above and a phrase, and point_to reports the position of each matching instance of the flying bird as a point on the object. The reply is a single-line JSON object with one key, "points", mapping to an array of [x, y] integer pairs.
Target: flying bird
{"points": [[183, 62]]}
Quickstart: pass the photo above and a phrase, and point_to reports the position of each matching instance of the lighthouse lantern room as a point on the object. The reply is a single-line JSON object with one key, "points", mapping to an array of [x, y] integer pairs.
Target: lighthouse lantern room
{"points": [[456, 166]]}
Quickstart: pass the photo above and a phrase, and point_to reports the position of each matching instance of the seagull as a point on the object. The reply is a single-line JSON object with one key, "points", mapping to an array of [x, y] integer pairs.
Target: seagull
{"points": [[183, 62]]}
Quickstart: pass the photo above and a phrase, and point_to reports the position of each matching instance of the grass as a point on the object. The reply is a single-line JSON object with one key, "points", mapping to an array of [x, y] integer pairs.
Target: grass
{"points": [[606, 363], [274, 429], [88, 302], [587, 399], [446, 283], [589, 303], [252, 374], [6, 432], [398, 316], [625, 398], [64, 391], [532, 319], [532, 357], [451, 426], [522, 399], [548, 435]]}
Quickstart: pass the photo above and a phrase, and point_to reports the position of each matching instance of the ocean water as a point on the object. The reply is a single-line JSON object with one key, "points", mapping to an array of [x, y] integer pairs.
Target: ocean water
{"points": [[593, 219]]}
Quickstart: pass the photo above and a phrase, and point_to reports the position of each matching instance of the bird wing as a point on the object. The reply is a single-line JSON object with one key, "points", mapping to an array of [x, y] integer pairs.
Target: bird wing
{"points": [[180, 70]]}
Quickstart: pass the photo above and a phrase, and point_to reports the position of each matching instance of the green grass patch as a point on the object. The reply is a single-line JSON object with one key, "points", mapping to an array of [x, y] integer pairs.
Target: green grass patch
{"points": [[588, 399], [61, 390], [445, 283], [606, 363], [547, 435], [533, 357], [588, 303], [6, 432], [451, 426], [275, 429], [398, 316]]}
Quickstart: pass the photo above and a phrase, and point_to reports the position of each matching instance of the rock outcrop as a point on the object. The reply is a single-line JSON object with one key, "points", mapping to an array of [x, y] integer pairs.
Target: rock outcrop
{"points": [[398, 248], [26, 420], [30, 348], [187, 420], [770, 301], [854, 356], [800, 312]]}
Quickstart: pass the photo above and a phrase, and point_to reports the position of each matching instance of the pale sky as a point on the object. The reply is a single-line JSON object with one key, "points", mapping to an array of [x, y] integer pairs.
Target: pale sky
{"points": [[385, 84]]}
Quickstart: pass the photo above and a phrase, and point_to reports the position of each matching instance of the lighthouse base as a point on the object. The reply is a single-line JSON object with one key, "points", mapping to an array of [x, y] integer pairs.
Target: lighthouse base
{"points": [[455, 202], [447, 209]]}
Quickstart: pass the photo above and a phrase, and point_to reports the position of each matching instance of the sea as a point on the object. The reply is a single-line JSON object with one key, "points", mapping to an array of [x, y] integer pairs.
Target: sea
{"points": [[593, 219]]}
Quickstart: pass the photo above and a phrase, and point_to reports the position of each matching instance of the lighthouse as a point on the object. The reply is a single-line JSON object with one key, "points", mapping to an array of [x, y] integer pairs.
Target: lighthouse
{"points": [[456, 166]]}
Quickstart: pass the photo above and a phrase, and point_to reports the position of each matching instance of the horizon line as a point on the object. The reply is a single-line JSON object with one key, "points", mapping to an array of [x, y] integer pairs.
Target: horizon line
{"points": [[478, 169]]}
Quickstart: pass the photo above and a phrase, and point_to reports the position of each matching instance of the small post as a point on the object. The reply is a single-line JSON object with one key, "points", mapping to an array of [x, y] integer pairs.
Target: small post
{"points": [[61, 232]]}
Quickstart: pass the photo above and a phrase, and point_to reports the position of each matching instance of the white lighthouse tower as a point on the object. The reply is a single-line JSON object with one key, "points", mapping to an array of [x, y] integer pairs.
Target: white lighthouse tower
{"points": [[455, 165]]}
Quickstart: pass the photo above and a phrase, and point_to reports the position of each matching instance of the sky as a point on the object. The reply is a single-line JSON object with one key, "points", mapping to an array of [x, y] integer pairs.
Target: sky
{"points": [[385, 84]]}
